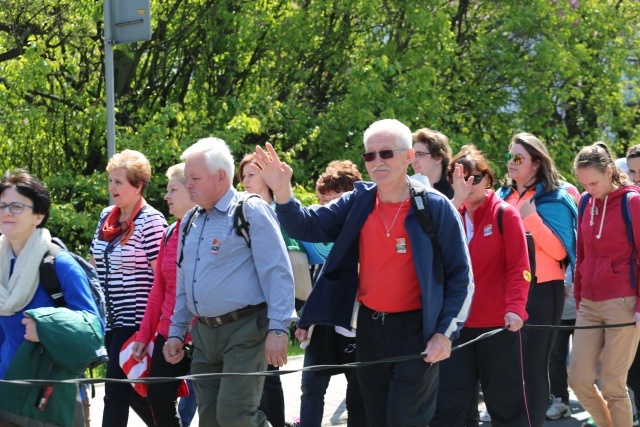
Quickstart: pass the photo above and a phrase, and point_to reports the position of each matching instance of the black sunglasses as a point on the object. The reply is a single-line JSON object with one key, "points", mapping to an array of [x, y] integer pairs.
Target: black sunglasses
{"points": [[384, 154], [477, 179]]}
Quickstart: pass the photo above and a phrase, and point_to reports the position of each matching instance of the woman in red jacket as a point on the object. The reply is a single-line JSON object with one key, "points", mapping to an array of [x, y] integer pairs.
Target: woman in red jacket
{"points": [[501, 272], [606, 289], [157, 317]]}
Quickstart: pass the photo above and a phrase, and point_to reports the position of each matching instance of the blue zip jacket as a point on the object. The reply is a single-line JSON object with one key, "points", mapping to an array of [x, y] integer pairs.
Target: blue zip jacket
{"points": [[333, 298], [558, 212]]}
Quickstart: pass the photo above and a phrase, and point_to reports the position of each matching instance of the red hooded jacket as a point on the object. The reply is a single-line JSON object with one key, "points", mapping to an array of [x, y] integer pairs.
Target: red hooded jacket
{"points": [[603, 251], [500, 264]]}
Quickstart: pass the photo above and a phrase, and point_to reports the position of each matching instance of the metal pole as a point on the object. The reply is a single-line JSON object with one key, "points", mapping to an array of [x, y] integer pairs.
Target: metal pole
{"points": [[109, 84]]}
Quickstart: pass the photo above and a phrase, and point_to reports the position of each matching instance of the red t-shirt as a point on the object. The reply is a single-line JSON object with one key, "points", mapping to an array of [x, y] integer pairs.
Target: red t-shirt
{"points": [[388, 281]]}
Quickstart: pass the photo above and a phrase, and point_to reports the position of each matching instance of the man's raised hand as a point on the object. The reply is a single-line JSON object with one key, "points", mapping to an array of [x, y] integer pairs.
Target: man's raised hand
{"points": [[276, 174]]}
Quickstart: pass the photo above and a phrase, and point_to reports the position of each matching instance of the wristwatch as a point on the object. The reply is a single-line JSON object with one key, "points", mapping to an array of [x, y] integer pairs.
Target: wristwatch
{"points": [[278, 332]]}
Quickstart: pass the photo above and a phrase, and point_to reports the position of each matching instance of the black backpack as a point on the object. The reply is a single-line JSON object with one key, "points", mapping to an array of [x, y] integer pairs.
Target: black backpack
{"points": [[421, 205], [240, 223], [531, 249], [50, 282]]}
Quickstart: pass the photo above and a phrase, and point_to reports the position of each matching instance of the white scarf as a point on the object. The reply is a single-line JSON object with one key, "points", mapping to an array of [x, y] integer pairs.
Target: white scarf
{"points": [[18, 290]]}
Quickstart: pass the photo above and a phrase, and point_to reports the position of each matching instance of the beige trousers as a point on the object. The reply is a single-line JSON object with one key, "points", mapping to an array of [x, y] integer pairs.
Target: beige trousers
{"points": [[604, 354]]}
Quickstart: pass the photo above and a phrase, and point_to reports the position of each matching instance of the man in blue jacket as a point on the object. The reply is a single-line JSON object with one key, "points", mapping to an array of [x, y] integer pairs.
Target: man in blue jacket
{"points": [[380, 276]]}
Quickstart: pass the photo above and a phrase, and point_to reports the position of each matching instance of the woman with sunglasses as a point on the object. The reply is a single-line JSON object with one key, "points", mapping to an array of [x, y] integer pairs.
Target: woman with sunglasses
{"points": [[549, 213], [606, 288], [497, 245]]}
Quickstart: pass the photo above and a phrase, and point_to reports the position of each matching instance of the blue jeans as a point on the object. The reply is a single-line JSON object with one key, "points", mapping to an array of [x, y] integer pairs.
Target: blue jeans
{"points": [[187, 406]]}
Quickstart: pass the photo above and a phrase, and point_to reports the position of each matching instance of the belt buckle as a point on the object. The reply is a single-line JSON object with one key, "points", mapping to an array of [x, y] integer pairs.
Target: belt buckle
{"points": [[218, 321]]}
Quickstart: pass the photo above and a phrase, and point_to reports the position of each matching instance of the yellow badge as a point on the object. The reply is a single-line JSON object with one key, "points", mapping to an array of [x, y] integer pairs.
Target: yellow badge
{"points": [[527, 275]]}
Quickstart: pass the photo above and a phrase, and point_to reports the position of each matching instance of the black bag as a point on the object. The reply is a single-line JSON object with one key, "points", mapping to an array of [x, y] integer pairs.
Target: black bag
{"points": [[531, 250], [50, 282]]}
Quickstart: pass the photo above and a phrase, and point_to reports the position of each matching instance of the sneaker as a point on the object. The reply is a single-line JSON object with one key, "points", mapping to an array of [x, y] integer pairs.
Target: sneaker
{"points": [[484, 416], [558, 409], [294, 423]]}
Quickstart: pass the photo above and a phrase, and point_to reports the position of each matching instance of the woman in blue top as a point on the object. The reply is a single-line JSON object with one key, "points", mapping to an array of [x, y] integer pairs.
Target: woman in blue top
{"points": [[30, 348]]}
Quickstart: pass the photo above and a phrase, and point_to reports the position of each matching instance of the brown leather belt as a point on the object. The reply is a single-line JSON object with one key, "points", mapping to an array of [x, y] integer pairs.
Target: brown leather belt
{"points": [[233, 316]]}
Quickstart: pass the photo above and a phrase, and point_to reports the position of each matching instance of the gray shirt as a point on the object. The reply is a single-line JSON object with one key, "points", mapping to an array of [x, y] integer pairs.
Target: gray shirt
{"points": [[221, 274]]}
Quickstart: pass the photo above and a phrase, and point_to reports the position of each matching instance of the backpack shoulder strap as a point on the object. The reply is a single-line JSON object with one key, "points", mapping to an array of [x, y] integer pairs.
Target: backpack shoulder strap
{"points": [[48, 276], [500, 213], [186, 228], [240, 222], [169, 232], [633, 257], [584, 200], [421, 205]]}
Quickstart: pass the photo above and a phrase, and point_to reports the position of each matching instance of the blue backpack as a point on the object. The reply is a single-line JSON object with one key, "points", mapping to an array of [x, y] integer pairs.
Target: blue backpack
{"points": [[626, 216]]}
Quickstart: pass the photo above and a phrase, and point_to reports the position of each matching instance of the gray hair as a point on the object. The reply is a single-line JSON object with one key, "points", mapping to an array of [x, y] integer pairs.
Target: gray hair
{"points": [[177, 171], [398, 130], [216, 154]]}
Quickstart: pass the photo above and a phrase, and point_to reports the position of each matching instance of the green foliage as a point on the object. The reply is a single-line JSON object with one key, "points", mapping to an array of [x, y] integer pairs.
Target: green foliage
{"points": [[308, 77]]}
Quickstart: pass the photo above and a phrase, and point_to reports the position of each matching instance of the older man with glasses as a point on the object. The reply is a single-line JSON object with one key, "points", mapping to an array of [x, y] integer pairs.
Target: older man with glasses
{"points": [[381, 271]]}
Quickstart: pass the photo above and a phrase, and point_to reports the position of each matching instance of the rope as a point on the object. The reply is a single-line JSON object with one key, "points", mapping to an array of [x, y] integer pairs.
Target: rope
{"points": [[197, 377]]}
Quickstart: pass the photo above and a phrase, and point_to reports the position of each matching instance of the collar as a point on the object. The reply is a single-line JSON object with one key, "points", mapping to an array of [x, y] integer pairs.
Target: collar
{"points": [[225, 201]]}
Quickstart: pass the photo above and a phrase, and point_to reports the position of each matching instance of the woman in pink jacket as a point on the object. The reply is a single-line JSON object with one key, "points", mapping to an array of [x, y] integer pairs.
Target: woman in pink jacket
{"points": [[157, 317], [606, 288]]}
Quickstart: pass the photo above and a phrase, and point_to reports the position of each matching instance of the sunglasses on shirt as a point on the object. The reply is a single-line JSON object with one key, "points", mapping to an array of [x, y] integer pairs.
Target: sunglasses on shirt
{"points": [[384, 154], [517, 158]]}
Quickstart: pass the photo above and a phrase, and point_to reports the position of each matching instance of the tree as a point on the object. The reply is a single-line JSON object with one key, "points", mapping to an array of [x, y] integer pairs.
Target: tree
{"points": [[309, 77]]}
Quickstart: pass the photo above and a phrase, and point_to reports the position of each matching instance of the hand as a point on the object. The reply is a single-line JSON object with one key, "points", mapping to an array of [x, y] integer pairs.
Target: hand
{"points": [[636, 317], [275, 349], [173, 351], [438, 348], [461, 187], [513, 322], [30, 331], [528, 208], [302, 334], [276, 174], [139, 351]]}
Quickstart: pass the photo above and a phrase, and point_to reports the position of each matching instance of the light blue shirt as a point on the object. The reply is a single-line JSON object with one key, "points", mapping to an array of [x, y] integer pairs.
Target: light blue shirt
{"points": [[220, 273]]}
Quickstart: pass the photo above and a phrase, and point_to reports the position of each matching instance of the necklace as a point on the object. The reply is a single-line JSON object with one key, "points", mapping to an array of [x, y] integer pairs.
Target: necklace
{"points": [[388, 229]]}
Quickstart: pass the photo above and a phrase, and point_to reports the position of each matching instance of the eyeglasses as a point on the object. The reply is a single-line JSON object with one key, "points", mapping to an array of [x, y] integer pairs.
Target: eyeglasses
{"points": [[421, 154], [477, 179], [384, 154], [15, 208], [517, 158]]}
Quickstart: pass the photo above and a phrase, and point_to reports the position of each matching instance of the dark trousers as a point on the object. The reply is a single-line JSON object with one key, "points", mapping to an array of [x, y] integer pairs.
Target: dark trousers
{"points": [[496, 362], [399, 394], [272, 400], [163, 396], [327, 347], [558, 361], [119, 396], [633, 379], [236, 347], [545, 308]]}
